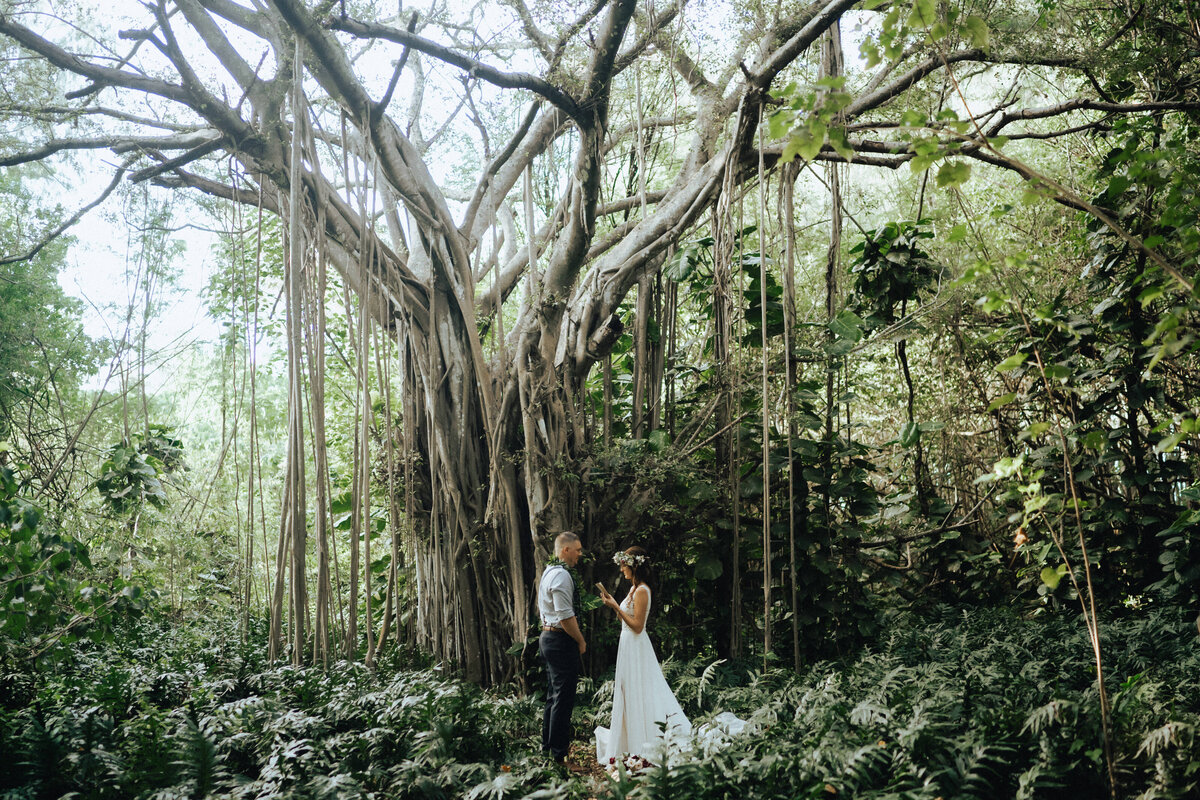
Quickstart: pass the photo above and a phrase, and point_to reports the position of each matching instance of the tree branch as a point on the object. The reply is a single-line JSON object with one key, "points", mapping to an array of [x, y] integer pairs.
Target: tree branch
{"points": [[99, 75], [118, 144], [506, 80], [216, 42], [935, 62], [74, 218], [68, 113], [184, 159], [494, 166], [815, 20], [540, 40]]}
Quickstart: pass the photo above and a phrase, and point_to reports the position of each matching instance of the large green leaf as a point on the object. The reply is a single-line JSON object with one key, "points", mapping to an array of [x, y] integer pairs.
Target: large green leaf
{"points": [[847, 325], [923, 14], [976, 31], [1012, 362]]}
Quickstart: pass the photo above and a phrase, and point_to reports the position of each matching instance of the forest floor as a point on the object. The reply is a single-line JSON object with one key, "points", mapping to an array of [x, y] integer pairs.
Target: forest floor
{"points": [[953, 703]]}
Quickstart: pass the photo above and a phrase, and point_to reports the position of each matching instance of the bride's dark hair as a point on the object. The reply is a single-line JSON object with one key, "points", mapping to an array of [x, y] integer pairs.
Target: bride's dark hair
{"points": [[641, 572]]}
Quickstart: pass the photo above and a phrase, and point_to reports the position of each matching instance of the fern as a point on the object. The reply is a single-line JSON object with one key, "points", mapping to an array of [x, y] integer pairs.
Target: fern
{"points": [[706, 680], [198, 762]]}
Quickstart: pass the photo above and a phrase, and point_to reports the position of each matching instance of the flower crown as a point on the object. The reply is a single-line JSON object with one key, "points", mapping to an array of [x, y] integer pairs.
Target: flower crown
{"points": [[628, 559]]}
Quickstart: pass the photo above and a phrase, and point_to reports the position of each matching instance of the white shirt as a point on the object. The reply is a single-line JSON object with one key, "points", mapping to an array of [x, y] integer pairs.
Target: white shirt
{"points": [[554, 595]]}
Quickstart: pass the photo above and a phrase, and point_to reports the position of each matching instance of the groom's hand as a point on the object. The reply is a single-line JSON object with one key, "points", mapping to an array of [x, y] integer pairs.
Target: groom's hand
{"points": [[571, 626]]}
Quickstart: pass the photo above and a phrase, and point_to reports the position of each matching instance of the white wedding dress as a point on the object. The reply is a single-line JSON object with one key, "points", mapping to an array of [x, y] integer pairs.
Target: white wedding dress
{"points": [[643, 703]]}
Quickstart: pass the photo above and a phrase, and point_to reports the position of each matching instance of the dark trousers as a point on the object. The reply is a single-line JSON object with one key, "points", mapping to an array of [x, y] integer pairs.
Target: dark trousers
{"points": [[561, 655]]}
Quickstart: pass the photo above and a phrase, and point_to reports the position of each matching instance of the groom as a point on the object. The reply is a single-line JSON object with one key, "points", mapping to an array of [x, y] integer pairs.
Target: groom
{"points": [[561, 643]]}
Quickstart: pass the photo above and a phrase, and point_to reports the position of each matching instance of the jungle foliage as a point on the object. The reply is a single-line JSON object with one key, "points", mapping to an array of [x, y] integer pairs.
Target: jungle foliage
{"points": [[887, 355], [949, 703]]}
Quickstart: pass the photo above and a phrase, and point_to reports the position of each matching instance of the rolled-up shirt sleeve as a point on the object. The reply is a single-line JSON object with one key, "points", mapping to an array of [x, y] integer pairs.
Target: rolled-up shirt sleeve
{"points": [[560, 596], [555, 599]]}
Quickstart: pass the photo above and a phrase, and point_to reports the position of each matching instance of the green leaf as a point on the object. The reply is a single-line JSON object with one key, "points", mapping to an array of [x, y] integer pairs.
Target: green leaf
{"points": [[1002, 401], [840, 144], [953, 173], [977, 31], [1169, 443], [1059, 372], [992, 301], [910, 434], [841, 347], [847, 325], [790, 150], [957, 233], [779, 123], [1036, 429], [920, 163], [870, 53], [1012, 362], [1150, 294], [923, 15], [1051, 577]]}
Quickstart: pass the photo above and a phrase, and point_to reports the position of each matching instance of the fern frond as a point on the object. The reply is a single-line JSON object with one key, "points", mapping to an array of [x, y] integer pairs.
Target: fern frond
{"points": [[1173, 734], [1044, 716], [706, 679]]}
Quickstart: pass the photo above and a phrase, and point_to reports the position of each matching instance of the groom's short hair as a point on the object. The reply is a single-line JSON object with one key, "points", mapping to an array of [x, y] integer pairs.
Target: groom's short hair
{"points": [[565, 538]]}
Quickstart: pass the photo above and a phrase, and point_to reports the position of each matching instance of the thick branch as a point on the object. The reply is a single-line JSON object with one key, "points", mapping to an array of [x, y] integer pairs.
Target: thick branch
{"points": [[570, 251], [100, 75], [935, 62], [1087, 104], [216, 42], [626, 203], [688, 69], [477, 69], [586, 17], [816, 19], [117, 144], [181, 160], [539, 39], [255, 22], [648, 36], [501, 158]]}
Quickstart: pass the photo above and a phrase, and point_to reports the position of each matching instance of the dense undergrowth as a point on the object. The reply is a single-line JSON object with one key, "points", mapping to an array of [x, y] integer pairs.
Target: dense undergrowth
{"points": [[956, 704]]}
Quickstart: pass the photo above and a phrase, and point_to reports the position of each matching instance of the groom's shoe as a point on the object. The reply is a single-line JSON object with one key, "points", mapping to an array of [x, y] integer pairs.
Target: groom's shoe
{"points": [[574, 769]]}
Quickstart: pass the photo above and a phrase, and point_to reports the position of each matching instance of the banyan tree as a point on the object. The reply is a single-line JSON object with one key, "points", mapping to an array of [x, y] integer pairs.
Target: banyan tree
{"points": [[497, 315]]}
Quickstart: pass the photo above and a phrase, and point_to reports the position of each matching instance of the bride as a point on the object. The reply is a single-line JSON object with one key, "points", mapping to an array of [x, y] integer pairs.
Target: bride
{"points": [[643, 703]]}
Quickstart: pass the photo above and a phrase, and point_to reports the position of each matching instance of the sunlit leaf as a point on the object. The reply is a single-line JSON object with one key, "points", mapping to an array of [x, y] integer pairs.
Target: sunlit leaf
{"points": [[923, 14], [1002, 401], [1012, 362]]}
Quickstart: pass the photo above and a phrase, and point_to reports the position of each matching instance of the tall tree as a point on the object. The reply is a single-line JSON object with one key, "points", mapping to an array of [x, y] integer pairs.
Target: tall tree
{"points": [[496, 432]]}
